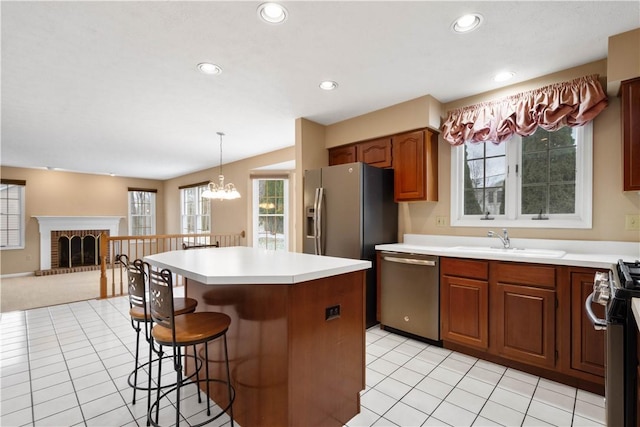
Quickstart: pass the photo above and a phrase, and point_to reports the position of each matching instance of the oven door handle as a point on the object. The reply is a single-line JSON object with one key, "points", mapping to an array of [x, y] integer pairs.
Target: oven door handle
{"points": [[598, 324]]}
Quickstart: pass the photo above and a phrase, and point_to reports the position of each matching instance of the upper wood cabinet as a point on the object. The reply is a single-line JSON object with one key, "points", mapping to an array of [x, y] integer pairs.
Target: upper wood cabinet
{"points": [[412, 155], [415, 165], [375, 153], [630, 93], [341, 155]]}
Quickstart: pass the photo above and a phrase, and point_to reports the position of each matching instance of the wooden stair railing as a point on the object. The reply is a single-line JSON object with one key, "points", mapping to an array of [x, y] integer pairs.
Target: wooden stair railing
{"points": [[140, 246]]}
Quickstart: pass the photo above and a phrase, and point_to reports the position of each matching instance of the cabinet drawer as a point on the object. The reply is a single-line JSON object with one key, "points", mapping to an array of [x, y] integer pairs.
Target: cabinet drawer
{"points": [[472, 269], [525, 274]]}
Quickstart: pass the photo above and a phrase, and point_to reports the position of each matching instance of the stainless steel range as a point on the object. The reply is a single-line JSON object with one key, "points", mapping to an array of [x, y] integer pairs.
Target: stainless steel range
{"points": [[614, 290]]}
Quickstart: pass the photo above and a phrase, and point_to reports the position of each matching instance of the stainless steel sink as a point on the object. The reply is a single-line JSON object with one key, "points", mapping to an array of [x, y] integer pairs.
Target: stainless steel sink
{"points": [[521, 252]]}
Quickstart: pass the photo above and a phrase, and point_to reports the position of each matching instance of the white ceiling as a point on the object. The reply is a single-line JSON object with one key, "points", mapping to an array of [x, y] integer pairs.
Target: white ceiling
{"points": [[112, 87]]}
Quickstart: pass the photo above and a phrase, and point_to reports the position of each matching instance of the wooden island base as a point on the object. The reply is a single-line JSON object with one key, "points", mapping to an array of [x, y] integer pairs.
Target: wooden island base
{"points": [[294, 360]]}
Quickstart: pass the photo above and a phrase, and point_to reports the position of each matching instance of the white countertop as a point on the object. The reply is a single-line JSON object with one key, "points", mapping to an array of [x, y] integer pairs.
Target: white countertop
{"points": [[579, 253], [245, 265]]}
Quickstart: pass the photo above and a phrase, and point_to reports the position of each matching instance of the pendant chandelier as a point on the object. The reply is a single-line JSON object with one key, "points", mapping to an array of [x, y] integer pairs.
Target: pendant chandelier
{"points": [[220, 190]]}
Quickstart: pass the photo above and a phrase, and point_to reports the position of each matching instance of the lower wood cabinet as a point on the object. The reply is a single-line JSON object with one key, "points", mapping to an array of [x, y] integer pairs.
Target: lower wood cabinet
{"points": [[524, 323], [464, 302], [523, 302], [587, 344], [528, 316]]}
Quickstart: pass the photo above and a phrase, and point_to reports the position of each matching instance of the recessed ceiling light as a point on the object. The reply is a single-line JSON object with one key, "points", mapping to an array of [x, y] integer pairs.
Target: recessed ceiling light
{"points": [[328, 85], [503, 76], [467, 23], [273, 13], [207, 68]]}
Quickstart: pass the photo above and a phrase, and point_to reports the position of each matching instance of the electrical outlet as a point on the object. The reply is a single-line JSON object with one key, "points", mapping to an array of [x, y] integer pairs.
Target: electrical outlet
{"points": [[632, 222], [441, 221], [332, 312]]}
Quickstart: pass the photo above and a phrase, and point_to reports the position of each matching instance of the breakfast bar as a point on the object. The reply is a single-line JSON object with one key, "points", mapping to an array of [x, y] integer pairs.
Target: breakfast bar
{"points": [[297, 334]]}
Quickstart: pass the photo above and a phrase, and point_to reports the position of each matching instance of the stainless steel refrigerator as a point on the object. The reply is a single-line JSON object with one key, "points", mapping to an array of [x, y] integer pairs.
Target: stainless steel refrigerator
{"points": [[349, 209]]}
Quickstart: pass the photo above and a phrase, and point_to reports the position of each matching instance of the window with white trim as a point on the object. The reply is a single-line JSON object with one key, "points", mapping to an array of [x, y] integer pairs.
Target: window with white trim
{"points": [[195, 215], [540, 181], [12, 219], [270, 213], [142, 212]]}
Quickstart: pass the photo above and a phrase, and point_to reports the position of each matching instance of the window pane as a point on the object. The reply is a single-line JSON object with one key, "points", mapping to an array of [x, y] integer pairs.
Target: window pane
{"points": [[496, 172], [269, 199], [495, 149], [11, 215], [562, 198], [196, 211], [484, 179], [562, 164], [534, 168], [549, 163], [534, 199]]}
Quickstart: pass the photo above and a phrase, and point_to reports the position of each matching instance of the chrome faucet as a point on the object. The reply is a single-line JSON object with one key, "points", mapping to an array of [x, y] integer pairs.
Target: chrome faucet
{"points": [[506, 243]]}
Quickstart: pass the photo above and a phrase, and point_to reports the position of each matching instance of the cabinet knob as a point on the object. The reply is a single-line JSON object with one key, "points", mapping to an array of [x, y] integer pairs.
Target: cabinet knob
{"points": [[406, 318]]}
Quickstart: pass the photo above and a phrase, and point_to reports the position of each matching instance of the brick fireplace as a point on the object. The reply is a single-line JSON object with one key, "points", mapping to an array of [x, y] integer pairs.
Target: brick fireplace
{"points": [[70, 243]]}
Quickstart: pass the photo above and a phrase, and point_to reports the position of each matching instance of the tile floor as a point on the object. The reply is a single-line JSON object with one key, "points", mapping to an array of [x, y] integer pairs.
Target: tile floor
{"points": [[68, 365]]}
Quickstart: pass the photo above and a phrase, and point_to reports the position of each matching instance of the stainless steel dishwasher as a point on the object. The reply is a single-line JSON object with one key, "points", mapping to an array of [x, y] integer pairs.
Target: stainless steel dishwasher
{"points": [[410, 293]]}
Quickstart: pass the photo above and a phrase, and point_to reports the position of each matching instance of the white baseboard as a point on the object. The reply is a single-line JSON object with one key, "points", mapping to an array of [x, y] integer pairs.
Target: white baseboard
{"points": [[26, 274]]}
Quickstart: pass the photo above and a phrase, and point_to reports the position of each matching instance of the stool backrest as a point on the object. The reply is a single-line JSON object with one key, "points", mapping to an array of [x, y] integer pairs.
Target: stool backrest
{"points": [[137, 278], [161, 297]]}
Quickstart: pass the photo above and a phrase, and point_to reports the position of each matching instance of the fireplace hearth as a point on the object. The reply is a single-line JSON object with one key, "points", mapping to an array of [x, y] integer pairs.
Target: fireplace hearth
{"points": [[70, 244]]}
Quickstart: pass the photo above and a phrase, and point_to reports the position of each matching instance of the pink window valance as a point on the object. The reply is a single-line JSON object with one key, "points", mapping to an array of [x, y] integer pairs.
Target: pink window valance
{"points": [[572, 103]]}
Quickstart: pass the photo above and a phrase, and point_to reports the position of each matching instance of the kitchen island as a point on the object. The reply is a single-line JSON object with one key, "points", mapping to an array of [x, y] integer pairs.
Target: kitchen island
{"points": [[296, 340]]}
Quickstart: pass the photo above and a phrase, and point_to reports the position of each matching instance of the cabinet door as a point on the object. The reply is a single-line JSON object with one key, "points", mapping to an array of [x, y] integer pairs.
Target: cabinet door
{"points": [[630, 91], [341, 155], [587, 344], [524, 320], [375, 153], [464, 311], [415, 165]]}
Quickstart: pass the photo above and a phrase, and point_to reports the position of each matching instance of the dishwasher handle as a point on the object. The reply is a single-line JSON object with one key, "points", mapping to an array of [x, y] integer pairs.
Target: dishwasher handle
{"points": [[412, 261]]}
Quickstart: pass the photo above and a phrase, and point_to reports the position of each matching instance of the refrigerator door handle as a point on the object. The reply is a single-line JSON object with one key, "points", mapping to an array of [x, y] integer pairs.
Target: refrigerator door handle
{"points": [[315, 221], [319, 220]]}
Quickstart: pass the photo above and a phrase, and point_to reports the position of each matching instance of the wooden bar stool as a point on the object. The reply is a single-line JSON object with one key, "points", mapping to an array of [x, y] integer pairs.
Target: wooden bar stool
{"points": [[180, 332], [139, 311]]}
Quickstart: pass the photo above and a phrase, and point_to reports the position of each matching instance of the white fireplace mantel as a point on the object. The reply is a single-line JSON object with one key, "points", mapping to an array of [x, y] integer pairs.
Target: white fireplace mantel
{"points": [[57, 223]]}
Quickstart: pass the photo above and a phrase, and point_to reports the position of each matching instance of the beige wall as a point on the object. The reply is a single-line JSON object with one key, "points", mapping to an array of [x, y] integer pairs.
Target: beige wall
{"points": [[413, 114], [310, 154], [623, 61], [74, 194], [59, 193], [229, 216], [610, 203]]}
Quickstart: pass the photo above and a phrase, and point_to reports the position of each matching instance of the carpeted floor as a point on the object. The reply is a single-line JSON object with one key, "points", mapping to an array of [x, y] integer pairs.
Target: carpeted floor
{"points": [[22, 293]]}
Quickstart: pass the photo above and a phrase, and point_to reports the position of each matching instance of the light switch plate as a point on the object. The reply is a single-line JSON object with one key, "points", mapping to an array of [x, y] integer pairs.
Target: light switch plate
{"points": [[632, 222]]}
